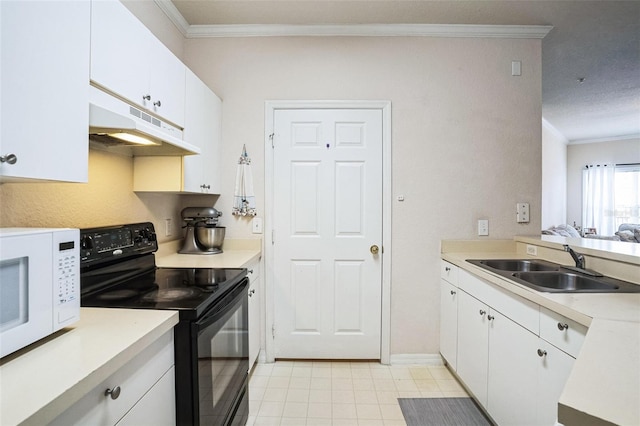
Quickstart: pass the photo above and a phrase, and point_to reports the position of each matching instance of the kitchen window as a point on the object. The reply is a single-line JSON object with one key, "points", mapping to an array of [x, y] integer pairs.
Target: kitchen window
{"points": [[611, 196]]}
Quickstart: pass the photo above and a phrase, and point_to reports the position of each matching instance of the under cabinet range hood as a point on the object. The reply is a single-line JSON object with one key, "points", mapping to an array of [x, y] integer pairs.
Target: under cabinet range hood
{"points": [[114, 123]]}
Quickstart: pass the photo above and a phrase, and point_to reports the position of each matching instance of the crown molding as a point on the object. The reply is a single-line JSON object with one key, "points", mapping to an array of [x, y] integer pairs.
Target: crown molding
{"points": [[605, 139], [371, 30], [174, 15], [355, 30]]}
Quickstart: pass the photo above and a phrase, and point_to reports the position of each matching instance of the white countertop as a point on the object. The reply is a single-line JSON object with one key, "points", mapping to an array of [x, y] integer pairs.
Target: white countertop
{"points": [[39, 382], [604, 385], [235, 254]]}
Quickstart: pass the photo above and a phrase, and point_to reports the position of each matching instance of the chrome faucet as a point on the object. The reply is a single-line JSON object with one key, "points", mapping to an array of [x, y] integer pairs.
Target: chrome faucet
{"points": [[577, 257], [581, 263]]}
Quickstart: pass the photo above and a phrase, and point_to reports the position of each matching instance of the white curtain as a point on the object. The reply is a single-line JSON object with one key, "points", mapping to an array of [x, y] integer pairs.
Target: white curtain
{"points": [[598, 198]]}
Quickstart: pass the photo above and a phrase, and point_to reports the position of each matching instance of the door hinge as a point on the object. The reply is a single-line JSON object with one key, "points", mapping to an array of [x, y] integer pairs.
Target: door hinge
{"points": [[271, 138]]}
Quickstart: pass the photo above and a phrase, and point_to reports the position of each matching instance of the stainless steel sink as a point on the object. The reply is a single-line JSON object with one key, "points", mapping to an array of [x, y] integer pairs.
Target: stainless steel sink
{"points": [[519, 265], [565, 281], [550, 277]]}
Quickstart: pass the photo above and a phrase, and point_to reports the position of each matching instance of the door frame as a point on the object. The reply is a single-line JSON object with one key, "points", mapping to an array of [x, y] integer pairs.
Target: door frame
{"points": [[270, 109]]}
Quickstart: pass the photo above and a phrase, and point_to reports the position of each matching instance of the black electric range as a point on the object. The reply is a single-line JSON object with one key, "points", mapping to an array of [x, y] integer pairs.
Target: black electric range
{"points": [[118, 271]]}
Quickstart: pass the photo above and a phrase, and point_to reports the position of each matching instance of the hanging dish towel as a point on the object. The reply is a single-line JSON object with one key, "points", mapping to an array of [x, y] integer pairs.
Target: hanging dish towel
{"points": [[244, 201]]}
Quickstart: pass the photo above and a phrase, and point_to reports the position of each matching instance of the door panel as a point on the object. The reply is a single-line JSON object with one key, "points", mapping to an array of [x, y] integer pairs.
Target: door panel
{"points": [[327, 214]]}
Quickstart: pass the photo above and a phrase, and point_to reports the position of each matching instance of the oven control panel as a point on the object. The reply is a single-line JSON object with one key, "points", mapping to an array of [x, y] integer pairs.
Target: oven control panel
{"points": [[107, 243]]}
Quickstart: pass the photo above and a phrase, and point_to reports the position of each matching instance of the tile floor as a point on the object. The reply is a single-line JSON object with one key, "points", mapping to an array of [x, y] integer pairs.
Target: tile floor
{"points": [[341, 393]]}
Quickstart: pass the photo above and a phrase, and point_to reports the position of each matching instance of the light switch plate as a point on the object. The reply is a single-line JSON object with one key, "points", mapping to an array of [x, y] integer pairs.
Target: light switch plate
{"points": [[483, 227], [256, 225]]}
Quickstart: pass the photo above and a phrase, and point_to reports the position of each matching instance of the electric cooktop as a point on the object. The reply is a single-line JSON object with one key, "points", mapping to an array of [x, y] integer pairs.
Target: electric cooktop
{"points": [[184, 289]]}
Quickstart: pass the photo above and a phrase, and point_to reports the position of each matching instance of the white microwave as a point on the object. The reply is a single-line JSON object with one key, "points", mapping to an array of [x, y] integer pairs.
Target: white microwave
{"points": [[39, 284]]}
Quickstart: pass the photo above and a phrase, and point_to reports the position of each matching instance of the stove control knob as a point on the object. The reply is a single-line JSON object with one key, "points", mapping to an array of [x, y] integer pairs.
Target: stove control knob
{"points": [[86, 242], [149, 234]]}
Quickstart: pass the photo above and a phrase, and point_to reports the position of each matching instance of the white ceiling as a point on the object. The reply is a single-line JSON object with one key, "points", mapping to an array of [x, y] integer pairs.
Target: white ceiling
{"points": [[595, 40]]}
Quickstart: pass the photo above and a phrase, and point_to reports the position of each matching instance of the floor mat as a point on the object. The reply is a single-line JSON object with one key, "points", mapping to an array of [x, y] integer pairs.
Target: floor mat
{"points": [[441, 412]]}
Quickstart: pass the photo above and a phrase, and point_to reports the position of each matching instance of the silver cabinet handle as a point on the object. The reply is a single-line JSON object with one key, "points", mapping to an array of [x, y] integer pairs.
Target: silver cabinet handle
{"points": [[447, 268], [114, 393], [252, 292], [562, 327], [146, 97], [453, 292], [490, 317], [9, 159], [482, 312], [542, 353], [250, 271], [157, 104]]}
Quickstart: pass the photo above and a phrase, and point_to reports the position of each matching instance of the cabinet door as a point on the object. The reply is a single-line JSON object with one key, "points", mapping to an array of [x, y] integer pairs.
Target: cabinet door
{"points": [[44, 90], [203, 115], [255, 298], [448, 322], [513, 372], [554, 367], [120, 51], [167, 83], [473, 345], [127, 59]]}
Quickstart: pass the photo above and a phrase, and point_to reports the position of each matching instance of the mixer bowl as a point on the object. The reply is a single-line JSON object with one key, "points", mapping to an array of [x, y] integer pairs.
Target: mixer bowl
{"points": [[210, 237]]}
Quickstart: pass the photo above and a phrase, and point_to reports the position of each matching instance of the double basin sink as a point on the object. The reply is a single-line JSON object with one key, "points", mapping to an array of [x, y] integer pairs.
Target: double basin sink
{"points": [[550, 277]]}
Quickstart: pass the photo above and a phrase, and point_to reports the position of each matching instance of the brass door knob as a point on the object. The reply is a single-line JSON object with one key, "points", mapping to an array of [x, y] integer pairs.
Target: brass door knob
{"points": [[374, 249]]}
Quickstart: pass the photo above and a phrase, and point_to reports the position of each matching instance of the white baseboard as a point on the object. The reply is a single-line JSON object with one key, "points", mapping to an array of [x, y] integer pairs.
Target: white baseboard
{"points": [[416, 359]]}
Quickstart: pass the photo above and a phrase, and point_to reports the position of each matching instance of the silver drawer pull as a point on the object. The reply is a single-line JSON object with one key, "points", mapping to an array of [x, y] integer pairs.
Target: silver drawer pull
{"points": [[490, 317], [447, 269], [9, 159], [114, 393], [453, 292], [562, 327], [542, 353], [482, 312]]}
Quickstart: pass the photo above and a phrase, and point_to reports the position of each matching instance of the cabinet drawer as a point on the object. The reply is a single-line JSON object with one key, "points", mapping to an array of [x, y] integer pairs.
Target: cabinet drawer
{"points": [[134, 379], [449, 272], [518, 309], [253, 270], [561, 332]]}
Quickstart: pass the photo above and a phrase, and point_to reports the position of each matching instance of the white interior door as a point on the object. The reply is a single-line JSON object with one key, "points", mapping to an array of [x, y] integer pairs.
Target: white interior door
{"points": [[327, 216]]}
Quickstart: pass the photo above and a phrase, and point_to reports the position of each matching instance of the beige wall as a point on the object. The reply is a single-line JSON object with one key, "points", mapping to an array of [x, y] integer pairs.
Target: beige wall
{"points": [[107, 199], [465, 144], [579, 155], [465, 138], [554, 177]]}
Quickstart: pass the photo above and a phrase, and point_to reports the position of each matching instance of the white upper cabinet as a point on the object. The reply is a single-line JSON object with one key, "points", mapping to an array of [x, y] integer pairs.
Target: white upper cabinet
{"points": [[44, 90], [129, 61], [198, 174], [203, 119]]}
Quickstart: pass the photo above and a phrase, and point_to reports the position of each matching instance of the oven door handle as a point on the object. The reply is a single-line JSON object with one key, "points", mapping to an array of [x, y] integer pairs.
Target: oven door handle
{"points": [[225, 306]]}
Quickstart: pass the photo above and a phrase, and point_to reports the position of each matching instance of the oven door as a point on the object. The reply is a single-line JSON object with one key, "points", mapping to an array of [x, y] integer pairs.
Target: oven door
{"points": [[223, 359]]}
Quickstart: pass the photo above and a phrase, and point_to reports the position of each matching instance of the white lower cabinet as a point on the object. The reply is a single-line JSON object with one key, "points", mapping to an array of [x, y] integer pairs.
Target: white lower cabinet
{"points": [[554, 367], [449, 323], [142, 392], [508, 362], [513, 372], [255, 322], [473, 345]]}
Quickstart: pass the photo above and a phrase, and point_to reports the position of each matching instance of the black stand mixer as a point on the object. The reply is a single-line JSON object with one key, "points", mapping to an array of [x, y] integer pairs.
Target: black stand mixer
{"points": [[203, 235]]}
